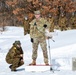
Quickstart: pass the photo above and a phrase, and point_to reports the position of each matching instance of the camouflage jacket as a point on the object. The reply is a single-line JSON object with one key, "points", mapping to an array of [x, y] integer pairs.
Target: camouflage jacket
{"points": [[51, 20], [73, 20], [62, 21], [26, 26], [14, 52], [37, 27]]}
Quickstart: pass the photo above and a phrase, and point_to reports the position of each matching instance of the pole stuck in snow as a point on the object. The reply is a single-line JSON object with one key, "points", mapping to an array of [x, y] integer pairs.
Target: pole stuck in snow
{"points": [[51, 69], [49, 55]]}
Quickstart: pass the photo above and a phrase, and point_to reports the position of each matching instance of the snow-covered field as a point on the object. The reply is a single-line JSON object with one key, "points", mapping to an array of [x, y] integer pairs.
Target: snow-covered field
{"points": [[62, 51]]}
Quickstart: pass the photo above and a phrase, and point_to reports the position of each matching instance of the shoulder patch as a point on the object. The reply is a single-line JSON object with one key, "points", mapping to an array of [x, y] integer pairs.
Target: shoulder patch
{"points": [[14, 47]]}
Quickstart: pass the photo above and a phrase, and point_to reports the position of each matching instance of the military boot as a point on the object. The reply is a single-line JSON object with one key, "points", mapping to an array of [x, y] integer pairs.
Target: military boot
{"points": [[33, 62], [46, 63], [10, 66], [14, 70]]}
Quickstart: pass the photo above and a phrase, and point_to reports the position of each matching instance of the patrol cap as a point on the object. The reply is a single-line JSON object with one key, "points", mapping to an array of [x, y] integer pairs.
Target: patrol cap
{"points": [[17, 43], [37, 12]]}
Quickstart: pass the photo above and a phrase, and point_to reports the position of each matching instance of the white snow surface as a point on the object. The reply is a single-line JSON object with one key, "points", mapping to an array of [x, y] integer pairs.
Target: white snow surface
{"points": [[62, 51]]}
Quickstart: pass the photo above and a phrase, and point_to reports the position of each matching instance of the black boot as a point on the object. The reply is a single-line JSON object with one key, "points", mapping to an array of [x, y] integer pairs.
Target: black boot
{"points": [[10, 66], [14, 70]]}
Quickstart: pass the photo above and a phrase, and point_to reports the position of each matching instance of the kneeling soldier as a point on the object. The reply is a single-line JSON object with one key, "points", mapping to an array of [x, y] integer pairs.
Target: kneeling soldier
{"points": [[15, 56]]}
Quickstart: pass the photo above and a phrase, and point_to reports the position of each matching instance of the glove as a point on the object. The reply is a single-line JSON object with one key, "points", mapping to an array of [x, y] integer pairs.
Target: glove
{"points": [[45, 26], [32, 40], [35, 23], [48, 34]]}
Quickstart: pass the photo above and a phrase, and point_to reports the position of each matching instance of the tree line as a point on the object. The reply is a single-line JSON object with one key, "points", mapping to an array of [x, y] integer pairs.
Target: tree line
{"points": [[12, 12]]}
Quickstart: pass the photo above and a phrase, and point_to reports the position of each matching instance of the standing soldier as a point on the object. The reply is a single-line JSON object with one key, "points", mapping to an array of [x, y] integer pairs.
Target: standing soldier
{"points": [[51, 20], [26, 25], [15, 56], [37, 34], [73, 21], [62, 22]]}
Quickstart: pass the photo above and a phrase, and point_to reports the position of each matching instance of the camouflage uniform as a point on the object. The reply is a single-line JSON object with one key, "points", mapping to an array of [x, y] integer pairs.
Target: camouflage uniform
{"points": [[73, 22], [51, 20], [62, 22], [13, 57], [37, 32], [26, 26]]}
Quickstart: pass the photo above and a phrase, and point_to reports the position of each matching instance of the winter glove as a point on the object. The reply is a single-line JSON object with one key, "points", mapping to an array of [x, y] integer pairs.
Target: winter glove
{"points": [[35, 24], [32, 40], [48, 34], [45, 26]]}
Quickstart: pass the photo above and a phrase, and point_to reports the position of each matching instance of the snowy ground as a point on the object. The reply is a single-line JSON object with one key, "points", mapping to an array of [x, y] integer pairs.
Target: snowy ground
{"points": [[62, 51]]}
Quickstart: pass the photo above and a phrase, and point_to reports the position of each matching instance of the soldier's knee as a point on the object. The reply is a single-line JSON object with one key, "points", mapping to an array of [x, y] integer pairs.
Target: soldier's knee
{"points": [[9, 61], [21, 63]]}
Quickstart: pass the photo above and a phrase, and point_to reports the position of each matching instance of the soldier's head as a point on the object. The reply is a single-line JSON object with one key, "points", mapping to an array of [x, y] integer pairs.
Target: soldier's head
{"points": [[17, 43], [26, 18], [62, 15], [50, 15], [37, 14]]}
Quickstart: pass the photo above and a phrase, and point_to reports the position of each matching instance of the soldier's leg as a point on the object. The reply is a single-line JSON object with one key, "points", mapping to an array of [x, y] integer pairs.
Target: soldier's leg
{"points": [[10, 61], [35, 47], [65, 27], [61, 28], [15, 64], [34, 52], [20, 63], [44, 49]]}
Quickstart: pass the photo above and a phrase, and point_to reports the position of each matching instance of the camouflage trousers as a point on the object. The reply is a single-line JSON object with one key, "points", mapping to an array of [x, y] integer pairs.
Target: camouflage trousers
{"points": [[42, 42], [16, 62]]}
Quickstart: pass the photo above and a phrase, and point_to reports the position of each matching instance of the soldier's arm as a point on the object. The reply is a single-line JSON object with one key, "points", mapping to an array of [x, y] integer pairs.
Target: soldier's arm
{"points": [[31, 31], [31, 28], [21, 50], [46, 24], [17, 55], [12, 52], [20, 55], [47, 30]]}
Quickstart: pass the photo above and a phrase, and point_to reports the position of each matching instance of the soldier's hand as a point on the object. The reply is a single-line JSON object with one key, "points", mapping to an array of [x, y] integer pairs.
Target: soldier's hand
{"points": [[32, 40], [21, 59], [49, 37], [26, 18], [35, 23], [45, 26], [21, 55]]}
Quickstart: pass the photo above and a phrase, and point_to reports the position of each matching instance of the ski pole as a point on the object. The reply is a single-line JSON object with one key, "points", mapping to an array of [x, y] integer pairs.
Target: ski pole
{"points": [[49, 54], [53, 40]]}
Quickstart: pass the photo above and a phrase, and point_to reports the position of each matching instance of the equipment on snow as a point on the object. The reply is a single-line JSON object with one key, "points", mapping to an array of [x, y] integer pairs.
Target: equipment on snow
{"points": [[51, 69]]}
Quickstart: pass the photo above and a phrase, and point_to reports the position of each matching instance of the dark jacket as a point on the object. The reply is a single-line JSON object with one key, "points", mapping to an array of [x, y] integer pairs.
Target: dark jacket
{"points": [[13, 53]]}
